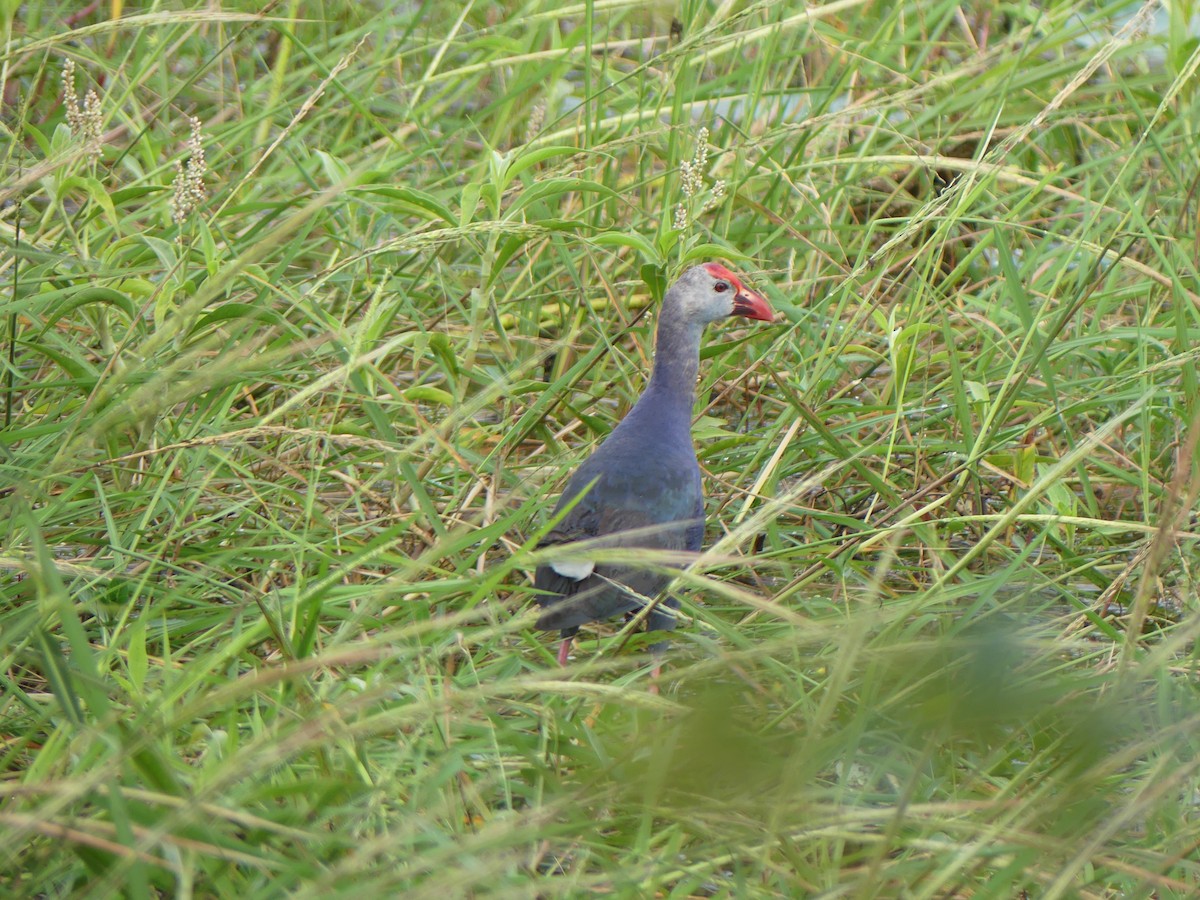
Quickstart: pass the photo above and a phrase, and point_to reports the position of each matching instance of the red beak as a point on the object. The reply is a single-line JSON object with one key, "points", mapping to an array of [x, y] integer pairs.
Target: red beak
{"points": [[752, 305]]}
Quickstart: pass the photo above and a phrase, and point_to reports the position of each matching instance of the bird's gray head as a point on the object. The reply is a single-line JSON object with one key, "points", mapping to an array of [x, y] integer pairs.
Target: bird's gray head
{"points": [[710, 292]]}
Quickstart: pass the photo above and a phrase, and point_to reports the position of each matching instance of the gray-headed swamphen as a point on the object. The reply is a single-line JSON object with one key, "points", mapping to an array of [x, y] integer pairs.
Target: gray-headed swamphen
{"points": [[641, 487]]}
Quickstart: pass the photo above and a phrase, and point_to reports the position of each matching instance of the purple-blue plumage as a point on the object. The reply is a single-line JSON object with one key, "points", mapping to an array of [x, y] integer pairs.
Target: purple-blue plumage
{"points": [[641, 487]]}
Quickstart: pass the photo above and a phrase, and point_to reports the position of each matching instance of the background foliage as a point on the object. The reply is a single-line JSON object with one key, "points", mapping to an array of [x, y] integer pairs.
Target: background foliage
{"points": [[309, 311]]}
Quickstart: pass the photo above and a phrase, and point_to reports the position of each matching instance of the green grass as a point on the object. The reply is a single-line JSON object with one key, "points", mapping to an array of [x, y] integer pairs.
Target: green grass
{"points": [[270, 476]]}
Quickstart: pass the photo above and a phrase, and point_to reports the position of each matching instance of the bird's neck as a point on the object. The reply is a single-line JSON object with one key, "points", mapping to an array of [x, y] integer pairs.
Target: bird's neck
{"points": [[672, 388]]}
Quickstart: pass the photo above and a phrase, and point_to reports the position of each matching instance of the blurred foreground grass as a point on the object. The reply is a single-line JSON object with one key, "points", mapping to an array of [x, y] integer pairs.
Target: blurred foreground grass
{"points": [[310, 311]]}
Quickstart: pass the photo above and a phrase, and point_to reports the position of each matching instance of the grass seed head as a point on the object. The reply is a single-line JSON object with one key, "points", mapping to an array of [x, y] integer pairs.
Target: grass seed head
{"points": [[86, 120], [189, 177]]}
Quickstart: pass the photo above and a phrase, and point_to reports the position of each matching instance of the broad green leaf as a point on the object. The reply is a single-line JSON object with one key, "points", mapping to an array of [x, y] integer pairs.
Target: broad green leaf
{"points": [[229, 311], [419, 203], [86, 296], [533, 157], [709, 251], [544, 190], [336, 171], [424, 393], [630, 240], [468, 203], [80, 370]]}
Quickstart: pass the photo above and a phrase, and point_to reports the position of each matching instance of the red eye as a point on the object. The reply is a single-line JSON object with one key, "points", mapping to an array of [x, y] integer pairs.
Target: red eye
{"points": [[721, 287]]}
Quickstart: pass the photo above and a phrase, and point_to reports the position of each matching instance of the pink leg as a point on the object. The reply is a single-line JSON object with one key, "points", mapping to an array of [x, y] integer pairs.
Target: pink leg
{"points": [[654, 674], [563, 651]]}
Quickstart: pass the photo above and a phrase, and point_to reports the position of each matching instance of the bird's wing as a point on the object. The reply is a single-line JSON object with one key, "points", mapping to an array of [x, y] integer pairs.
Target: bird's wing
{"points": [[615, 513], [695, 528]]}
